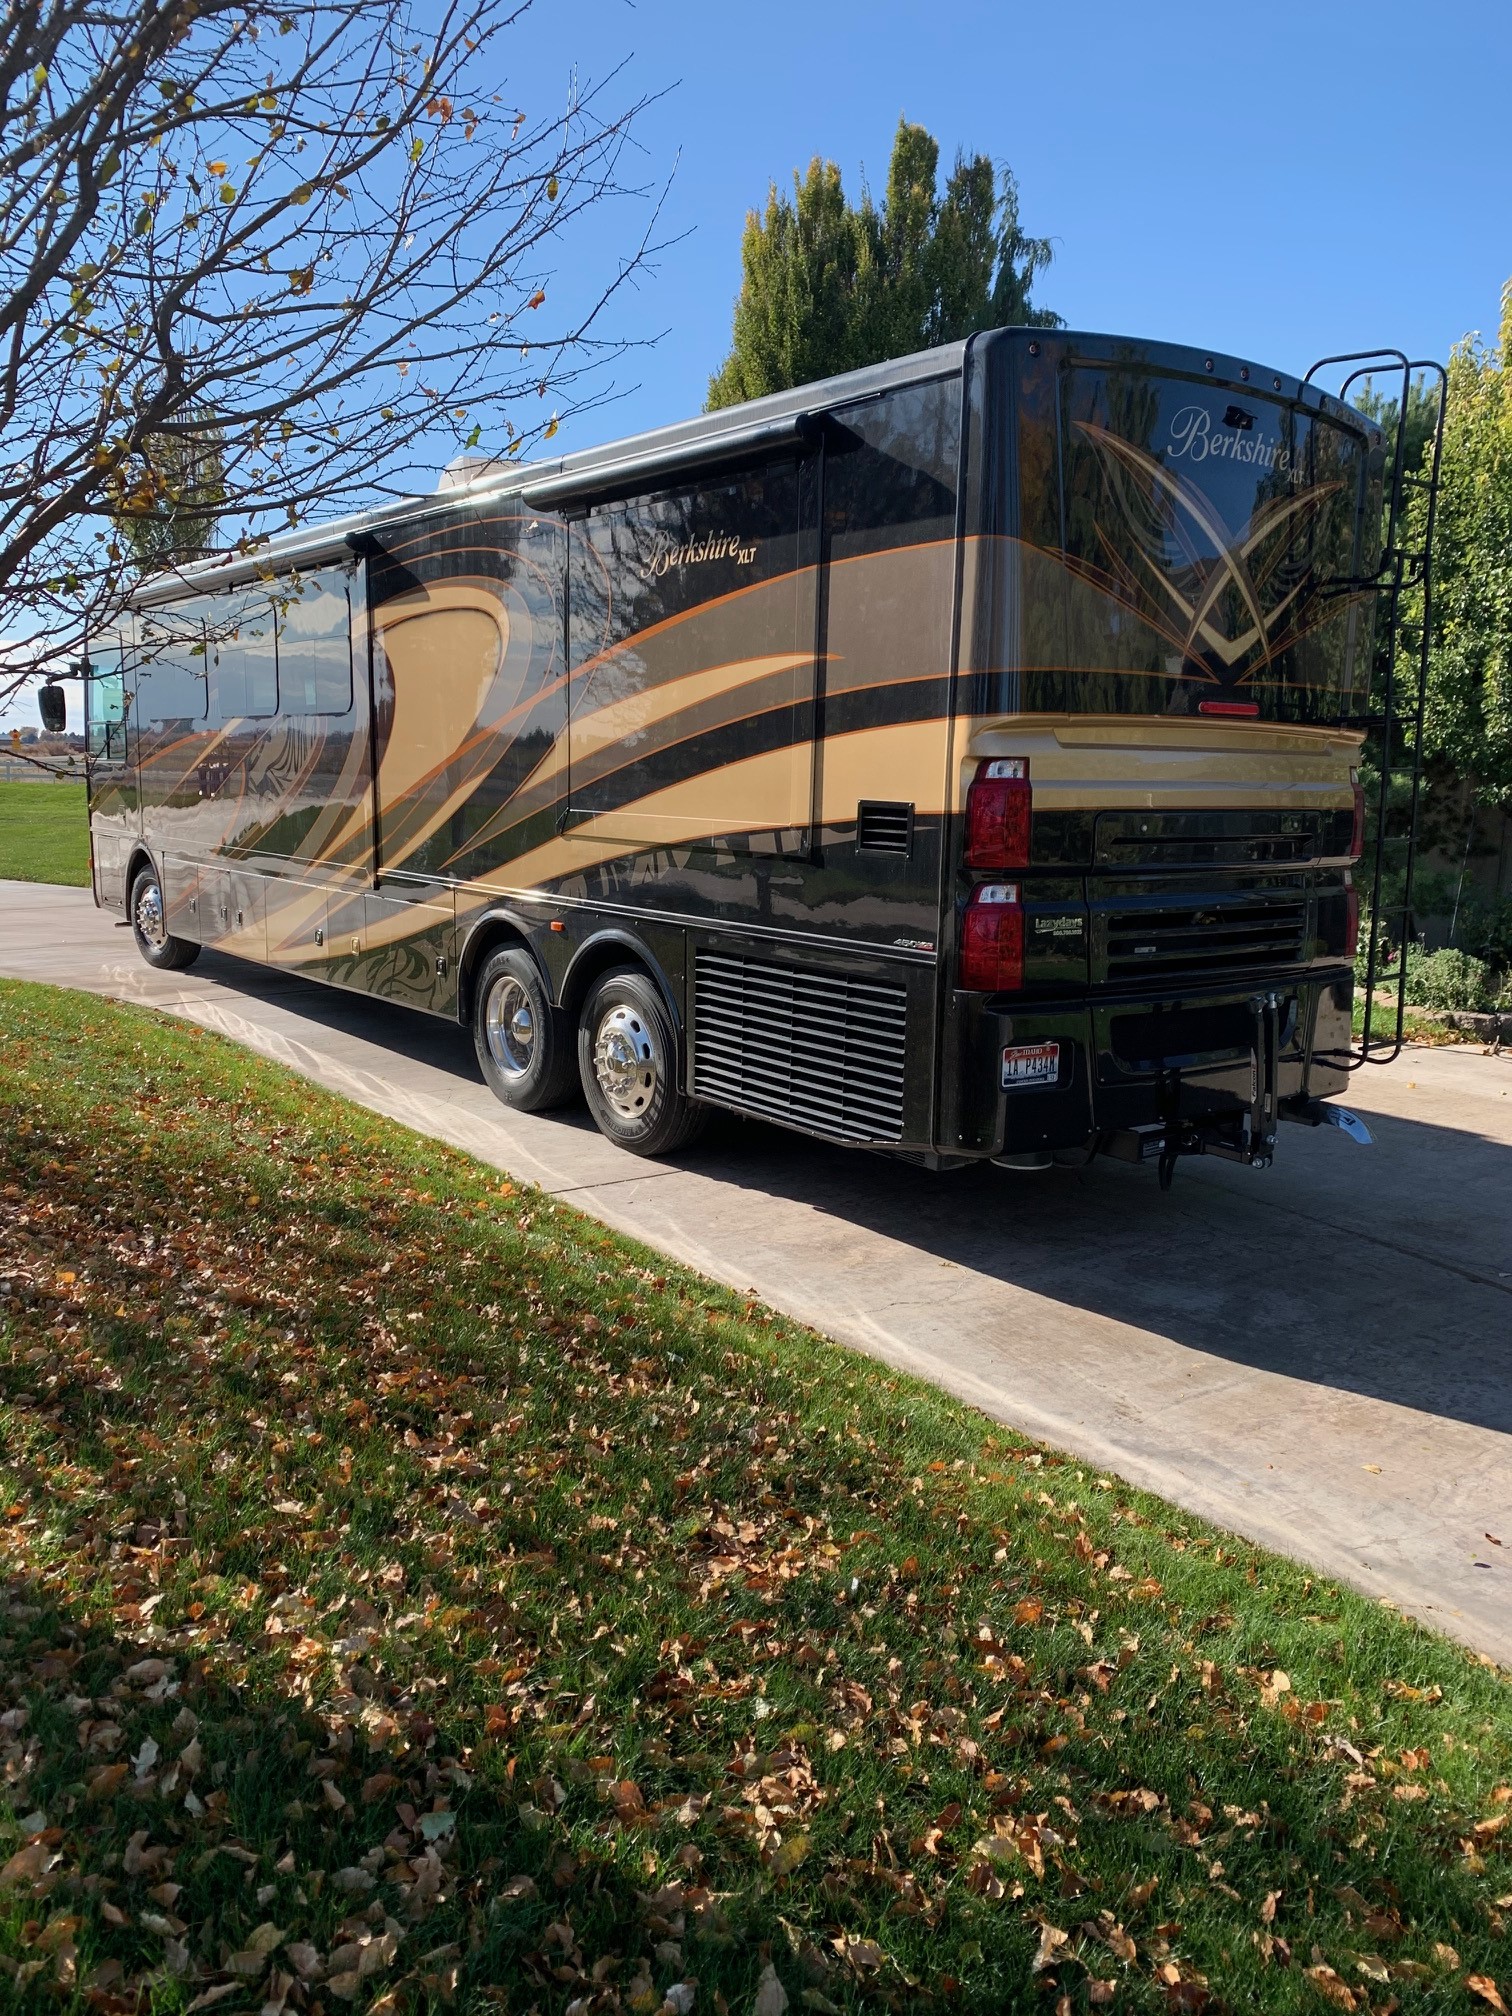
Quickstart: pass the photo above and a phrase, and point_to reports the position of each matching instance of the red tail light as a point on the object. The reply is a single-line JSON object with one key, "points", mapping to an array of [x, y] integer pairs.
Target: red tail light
{"points": [[992, 940], [999, 807], [1247, 708], [1357, 831], [1351, 922]]}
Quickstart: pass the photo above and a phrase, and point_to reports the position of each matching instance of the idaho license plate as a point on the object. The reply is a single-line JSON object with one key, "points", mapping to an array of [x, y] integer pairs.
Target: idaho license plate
{"points": [[1030, 1064]]}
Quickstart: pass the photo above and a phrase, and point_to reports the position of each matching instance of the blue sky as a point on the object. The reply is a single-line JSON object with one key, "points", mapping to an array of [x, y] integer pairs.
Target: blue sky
{"points": [[1277, 182]]}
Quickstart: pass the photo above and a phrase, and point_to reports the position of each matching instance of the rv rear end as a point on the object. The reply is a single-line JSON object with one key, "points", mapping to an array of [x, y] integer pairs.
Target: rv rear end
{"points": [[1168, 609]]}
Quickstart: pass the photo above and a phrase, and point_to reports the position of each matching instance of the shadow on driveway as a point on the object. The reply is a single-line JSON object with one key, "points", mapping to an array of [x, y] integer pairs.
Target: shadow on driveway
{"points": [[1384, 1272]]}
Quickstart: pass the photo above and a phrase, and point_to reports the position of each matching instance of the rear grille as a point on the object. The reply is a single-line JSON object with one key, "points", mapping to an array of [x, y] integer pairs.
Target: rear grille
{"points": [[884, 827], [819, 1050], [1206, 938]]}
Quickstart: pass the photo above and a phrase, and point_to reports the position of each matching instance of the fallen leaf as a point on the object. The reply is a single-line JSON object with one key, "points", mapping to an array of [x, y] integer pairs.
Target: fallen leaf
{"points": [[1050, 1940], [1328, 1984], [1483, 1986], [26, 1865], [771, 1996], [782, 1861]]}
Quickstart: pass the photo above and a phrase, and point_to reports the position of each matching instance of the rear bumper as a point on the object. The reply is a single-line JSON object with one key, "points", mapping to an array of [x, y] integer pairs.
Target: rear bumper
{"points": [[1130, 1062]]}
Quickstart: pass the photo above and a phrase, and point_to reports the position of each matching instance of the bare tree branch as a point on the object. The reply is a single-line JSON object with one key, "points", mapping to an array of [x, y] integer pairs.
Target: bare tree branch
{"points": [[316, 234]]}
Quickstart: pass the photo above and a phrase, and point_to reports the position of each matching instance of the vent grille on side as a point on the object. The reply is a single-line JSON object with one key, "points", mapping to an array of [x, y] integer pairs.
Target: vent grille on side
{"points": [[1207, 938], [884, 827], [819, 1050]]}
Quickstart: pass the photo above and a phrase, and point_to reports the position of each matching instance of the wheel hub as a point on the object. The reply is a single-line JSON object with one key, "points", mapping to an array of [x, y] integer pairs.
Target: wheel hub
{"points": [[511, 1028], [625, 1061], [149, 915]]}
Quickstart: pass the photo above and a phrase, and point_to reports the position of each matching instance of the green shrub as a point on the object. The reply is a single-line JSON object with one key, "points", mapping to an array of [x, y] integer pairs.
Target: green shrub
{"points": [[1485, 931], [1448, 979]]}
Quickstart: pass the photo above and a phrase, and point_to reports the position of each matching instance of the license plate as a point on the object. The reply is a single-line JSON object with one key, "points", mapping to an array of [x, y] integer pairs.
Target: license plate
{"points": [[1030, 1064]]}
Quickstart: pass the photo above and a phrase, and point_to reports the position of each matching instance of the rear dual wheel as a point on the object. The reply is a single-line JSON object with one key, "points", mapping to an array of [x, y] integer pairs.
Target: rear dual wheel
{"points": [[624, 1056], [627, 1060]]}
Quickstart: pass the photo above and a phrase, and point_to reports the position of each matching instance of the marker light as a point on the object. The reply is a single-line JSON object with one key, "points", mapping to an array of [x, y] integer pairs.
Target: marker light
{"points": [[992, 939], [999, 810]]}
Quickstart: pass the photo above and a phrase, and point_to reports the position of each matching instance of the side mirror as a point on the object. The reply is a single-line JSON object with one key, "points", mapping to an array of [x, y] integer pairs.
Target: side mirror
{"points": [[52, 704]]}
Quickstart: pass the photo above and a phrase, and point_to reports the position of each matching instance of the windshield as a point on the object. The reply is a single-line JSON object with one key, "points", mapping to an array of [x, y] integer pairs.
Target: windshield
{"points": [[1184, 544]]}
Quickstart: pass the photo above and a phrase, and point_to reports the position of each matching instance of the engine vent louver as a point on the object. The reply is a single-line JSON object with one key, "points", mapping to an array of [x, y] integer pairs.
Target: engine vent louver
{"points": [[824, 1051], [1207, 938], [884, 826]]}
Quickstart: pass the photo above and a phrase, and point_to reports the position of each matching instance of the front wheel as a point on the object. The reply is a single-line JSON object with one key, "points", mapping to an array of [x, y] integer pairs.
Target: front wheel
{"points": [[149, 926], [627, 1059]]}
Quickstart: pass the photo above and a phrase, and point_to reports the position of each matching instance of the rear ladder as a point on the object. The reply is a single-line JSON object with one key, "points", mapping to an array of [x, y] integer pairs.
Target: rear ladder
{"points": [[1398, 690]]}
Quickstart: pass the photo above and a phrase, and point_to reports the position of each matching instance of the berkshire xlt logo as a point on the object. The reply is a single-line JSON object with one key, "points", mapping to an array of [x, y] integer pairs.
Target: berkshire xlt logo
{"points": [[1235, 598], [695, 552]]}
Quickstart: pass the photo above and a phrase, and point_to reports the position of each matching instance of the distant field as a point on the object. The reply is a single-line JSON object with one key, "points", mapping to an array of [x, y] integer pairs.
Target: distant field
{"points": [[44, 832]]}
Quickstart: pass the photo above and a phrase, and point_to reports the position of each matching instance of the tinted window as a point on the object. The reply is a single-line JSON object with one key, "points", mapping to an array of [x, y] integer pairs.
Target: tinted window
{"points": [[687, 641], [173, 662], [314, 623], [244, 668], [890, 471], [891, 467], [1180, 541], [1216, 523]]}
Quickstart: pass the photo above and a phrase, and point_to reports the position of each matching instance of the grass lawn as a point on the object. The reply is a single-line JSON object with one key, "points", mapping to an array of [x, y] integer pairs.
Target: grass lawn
{"points": [[415, 1596], [44, 832]]}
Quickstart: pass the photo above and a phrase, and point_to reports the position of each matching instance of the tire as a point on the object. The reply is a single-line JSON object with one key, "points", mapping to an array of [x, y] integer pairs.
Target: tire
{"points": [[627, 1057], [524, 1044], [149, 926]]}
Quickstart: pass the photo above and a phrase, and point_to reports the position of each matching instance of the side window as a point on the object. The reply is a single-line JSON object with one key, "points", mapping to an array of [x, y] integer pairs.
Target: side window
{"points": [[314, 626], [244, 669], [891, 468], [890, 474], [173, 663], [105, 698], [692, 648]]}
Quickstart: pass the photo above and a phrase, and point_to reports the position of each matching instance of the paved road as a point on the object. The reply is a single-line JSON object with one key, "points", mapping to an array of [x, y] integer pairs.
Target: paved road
{"points": [[1317, 1356]]}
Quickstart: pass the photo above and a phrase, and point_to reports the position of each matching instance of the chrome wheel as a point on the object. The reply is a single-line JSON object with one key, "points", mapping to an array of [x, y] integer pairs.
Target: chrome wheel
{"points": [[625, 1061], [510, 1026], [151, 924]]}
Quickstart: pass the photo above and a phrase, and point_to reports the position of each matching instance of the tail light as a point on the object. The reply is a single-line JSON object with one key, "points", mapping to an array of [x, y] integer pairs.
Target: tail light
{"points": [[992, 940], [999, 807], [1357, 830], [1351, 922]]}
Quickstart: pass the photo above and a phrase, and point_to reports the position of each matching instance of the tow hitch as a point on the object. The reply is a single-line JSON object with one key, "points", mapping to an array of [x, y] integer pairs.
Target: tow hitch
{"points": [[1246, 1135]]}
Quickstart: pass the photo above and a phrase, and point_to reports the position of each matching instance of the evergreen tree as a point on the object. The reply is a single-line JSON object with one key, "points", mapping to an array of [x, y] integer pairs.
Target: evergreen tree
{"points": [[827, 285], [1468, 728]]}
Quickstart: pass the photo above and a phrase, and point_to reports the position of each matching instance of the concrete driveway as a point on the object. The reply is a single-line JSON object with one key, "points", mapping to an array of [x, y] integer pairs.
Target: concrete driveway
{"points": [[1317, 1357]]}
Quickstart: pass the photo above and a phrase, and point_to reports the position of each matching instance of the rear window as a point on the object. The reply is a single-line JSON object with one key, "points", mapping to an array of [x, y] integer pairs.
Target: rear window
{"points": [[1192, 544]]}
